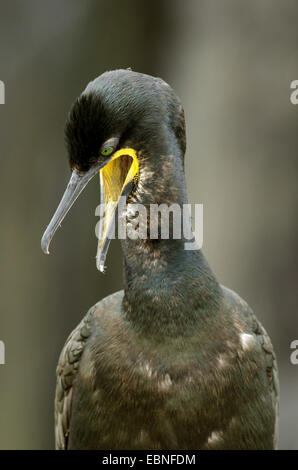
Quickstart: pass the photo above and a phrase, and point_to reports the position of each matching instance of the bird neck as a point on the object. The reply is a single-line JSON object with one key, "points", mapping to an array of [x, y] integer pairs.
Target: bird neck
{"points": [[167, 289]]}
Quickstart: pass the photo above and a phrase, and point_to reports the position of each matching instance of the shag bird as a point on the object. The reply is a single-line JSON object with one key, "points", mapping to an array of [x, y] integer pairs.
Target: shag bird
{"points": [[174, 360]]}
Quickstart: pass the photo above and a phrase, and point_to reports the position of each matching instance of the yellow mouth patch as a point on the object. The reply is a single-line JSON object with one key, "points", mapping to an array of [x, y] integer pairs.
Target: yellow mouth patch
{"points": [[118, 173], [115, 176]]}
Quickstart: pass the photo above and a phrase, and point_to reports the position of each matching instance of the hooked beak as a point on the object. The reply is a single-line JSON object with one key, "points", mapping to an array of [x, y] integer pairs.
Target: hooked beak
{"points": [[116, 177]]}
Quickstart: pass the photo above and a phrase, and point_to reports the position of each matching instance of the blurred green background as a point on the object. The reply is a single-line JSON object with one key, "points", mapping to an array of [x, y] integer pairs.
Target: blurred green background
{"points": [[231, 62]]}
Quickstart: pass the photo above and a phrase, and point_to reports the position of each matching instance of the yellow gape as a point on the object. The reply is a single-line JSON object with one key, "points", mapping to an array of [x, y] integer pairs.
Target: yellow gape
{"points": [[114, 177]]}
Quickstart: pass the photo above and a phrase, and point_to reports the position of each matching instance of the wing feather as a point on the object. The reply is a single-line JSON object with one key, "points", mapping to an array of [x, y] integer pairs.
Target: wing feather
{"points": [[66, 373]]}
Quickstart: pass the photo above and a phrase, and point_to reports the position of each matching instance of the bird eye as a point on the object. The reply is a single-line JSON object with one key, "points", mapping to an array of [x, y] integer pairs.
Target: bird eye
{"points": [[106, 151]]}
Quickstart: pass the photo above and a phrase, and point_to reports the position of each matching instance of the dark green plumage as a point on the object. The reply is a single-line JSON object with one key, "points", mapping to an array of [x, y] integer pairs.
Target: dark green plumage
{"points": [[175, 361]]}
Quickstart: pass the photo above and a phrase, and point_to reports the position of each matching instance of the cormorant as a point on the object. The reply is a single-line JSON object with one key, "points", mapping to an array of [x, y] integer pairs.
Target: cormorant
{"points": [[175, 360]]}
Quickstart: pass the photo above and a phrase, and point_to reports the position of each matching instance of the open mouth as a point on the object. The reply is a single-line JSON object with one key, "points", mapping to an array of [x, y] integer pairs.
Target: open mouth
{"points": [[116, 180], [117, 176]]}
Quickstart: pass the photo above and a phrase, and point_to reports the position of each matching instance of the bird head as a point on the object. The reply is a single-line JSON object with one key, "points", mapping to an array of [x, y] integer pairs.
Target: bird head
{"points": [[122, 119]]}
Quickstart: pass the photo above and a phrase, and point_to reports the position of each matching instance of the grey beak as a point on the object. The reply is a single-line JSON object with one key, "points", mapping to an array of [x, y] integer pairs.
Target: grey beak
{"points": [[74, 188]]}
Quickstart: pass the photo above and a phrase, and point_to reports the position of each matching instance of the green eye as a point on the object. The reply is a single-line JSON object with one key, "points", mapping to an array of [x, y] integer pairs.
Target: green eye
{"points": [[107, 151]]}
